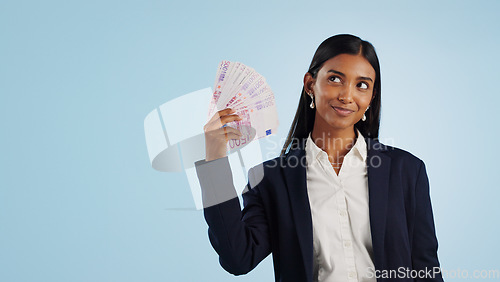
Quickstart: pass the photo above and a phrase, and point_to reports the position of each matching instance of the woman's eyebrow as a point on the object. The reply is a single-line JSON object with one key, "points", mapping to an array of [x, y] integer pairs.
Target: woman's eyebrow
{"points": [[337, 72], [359, 78]]}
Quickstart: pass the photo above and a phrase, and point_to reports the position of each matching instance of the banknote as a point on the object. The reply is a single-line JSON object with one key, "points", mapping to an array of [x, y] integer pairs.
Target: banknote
{"points": [[221, 78], [243, 89]]}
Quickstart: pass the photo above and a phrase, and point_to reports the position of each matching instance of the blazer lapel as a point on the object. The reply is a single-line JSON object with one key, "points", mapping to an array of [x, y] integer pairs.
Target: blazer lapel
{"points": [[295, 177], [378, 167]]}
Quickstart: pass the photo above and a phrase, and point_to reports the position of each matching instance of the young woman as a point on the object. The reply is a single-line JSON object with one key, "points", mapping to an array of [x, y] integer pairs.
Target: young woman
{"points": [[336, 205]]}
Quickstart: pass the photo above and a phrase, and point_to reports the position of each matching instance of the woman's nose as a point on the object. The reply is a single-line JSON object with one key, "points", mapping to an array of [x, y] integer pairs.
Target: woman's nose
{"points": [[345, 94]]}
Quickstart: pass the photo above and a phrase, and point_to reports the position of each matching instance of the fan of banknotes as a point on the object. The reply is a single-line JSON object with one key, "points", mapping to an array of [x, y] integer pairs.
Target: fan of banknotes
{"points": [[244, 90]]}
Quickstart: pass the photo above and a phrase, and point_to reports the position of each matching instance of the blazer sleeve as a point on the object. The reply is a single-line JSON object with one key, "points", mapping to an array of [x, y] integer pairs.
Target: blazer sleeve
{"points": [[425, 244], [240, 238]]}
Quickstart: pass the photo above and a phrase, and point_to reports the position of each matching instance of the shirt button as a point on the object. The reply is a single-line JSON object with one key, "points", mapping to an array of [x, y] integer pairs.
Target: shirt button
{"points": [[347, 244], [343, 213], [352, 274]]}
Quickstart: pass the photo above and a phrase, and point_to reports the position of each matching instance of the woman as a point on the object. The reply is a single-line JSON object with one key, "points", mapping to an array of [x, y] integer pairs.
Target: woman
{"points": [[336, 205]]}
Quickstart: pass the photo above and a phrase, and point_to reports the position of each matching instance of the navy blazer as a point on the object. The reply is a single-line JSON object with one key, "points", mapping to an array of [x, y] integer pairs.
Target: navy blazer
{"points": [[276, 217]]}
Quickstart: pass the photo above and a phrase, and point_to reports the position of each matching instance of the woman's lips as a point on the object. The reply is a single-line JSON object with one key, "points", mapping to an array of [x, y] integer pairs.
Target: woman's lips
{"points": [[342, 112]]}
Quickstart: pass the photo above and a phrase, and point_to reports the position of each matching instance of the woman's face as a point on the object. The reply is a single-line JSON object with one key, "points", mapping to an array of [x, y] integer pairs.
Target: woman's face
{"points": [[342, 89]]}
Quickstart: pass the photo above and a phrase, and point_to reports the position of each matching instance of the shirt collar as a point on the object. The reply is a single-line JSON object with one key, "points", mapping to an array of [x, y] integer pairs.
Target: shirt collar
{"points": [[360, 146], [313, 151]]}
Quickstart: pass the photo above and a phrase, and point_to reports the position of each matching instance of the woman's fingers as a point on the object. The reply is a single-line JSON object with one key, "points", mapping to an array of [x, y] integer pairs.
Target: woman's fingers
{"points": [[225, 133], [221, 113], [231, 133], [216, 122], [217, 137]]}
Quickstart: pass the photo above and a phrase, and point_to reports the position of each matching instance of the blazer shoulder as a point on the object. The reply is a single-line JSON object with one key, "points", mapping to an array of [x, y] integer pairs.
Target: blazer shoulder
{"points": [[402, 155]]}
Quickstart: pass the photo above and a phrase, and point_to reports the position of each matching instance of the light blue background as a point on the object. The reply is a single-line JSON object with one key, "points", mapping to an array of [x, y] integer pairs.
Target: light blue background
{"points": [[79, 200]]}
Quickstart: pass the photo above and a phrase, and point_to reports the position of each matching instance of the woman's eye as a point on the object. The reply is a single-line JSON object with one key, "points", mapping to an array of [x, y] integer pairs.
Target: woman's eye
{"points": [[334, 79], [363, 85]]}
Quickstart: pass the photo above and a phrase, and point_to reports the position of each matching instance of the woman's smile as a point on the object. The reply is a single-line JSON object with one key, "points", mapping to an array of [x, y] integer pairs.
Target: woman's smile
{"points": [[342, 111]]}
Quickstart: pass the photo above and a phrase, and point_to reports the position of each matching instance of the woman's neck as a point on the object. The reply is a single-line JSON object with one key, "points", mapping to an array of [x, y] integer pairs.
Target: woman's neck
{"points": [[335, 142]]}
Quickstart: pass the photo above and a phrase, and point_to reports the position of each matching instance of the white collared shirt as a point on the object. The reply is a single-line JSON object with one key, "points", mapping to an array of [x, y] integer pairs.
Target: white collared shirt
{"points": [[340, 214]]}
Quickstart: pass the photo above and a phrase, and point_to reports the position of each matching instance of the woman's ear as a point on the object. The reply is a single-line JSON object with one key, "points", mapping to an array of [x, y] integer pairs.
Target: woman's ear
{"points": [[309, 82]]}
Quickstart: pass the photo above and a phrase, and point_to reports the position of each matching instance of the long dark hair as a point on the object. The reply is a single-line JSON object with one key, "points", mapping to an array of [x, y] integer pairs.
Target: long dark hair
{"points": [[303, 122]]}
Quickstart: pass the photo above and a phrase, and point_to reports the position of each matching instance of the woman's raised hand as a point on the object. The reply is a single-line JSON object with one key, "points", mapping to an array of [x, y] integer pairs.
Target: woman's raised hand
{"points": [[216, 136]]}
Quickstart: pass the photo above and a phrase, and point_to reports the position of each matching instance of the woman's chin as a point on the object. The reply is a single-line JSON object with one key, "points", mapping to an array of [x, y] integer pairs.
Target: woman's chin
{"points": [[336, 125]]}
